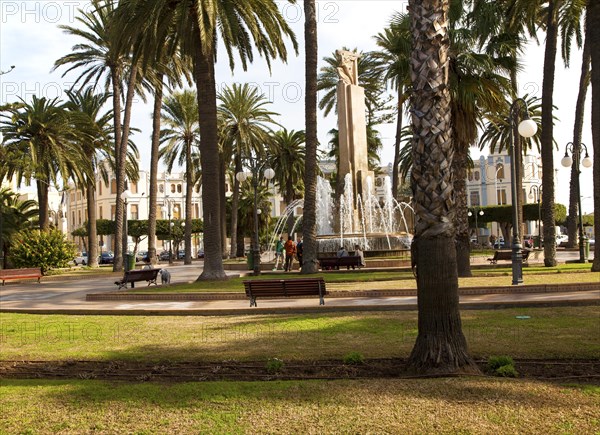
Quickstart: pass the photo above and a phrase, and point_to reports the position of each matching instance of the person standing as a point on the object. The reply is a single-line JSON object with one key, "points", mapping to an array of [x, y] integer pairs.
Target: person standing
{"points": [[358, 252], [290, 251], [299, 252], [279, 253]]}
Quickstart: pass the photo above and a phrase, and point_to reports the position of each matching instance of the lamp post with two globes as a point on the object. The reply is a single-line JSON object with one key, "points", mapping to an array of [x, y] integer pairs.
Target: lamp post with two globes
{"points": [[166, 208], [480, 213], [527, 128], [256, 168], [567, 161]]}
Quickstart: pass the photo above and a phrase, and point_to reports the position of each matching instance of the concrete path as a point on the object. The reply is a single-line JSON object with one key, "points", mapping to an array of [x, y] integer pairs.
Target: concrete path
{"points": [[67, 296]]}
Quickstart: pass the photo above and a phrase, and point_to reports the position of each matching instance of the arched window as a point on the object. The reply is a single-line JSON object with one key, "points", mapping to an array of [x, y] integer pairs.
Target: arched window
{"points": [[172, 188], [470, 176], [113, 186], [179, 188], [161, 188], [500, 171], [476, 175]]}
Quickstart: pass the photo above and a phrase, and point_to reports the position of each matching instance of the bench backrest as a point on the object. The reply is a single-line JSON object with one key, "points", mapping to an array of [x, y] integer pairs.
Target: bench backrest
{"points": [[285, 287], [143, 274], [349, 261], [30, 271]]}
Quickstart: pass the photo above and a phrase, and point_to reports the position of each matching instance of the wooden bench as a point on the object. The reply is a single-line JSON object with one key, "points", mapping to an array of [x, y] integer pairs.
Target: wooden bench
{"points": [[25, 273], [507, 256], [329, 263], [272, 288], [133, 276]]}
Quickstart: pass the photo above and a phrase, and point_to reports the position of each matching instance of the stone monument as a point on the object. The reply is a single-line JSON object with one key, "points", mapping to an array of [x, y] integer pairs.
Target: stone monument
{"points": [[352, 126]]}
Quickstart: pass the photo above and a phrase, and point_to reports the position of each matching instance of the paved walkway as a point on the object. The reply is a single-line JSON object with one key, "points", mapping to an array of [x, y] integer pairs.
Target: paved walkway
{"points": [[67, 296]]}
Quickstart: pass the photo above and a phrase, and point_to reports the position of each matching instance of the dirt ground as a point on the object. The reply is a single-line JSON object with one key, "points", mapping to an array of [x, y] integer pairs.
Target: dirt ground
{"points": [[576, 371]]}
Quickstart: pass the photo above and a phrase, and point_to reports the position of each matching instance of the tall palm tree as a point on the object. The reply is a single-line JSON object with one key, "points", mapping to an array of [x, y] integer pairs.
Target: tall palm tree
{"points": [[41, 134], [182, 133], [197, 25], [593, 33], [395, 43], [309, 217], [86, 107], [288, 160], [245, 128], [440, 346], [103, 56]]}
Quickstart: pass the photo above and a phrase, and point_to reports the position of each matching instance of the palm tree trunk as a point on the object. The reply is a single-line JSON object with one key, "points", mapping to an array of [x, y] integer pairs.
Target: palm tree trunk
{"points": [[189, 190], [440, 346], [309, 218], [584, 81], [396, 165], [42, 189], [547, 136], [593, 35], [92, 230], [158, 95], [116, 85], [204, 75], [463, 239], [235, 201]]}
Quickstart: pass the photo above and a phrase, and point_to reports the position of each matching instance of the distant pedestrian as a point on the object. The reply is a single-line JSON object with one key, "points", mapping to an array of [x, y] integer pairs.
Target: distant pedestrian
{"points": [[290, 251], [299, 248], [359, 253], [279, 253]]}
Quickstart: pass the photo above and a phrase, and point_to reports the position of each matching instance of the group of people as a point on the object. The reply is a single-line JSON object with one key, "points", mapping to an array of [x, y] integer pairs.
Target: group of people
{"points": [[292, 250]]}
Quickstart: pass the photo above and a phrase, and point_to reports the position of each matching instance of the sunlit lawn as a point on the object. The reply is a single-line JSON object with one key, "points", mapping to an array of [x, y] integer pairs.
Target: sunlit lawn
{"points": [[559, 332]]}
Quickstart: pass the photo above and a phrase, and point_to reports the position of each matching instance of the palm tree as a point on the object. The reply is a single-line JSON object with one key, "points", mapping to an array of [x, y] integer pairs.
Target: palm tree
{"points": [[15, 215], [103, 57], [245, 130], [395, 42], [180, 115], [86, 107], [42, 137], [197, 24], [440, 346], [309, 217], [593, 34], [288, 159]]}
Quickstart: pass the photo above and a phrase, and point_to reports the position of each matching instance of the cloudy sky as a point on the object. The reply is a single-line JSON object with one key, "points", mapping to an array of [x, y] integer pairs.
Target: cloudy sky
{"points": [[31, 40]]}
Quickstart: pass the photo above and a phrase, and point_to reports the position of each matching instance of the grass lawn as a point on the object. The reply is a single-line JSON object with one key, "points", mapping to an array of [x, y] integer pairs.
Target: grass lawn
{"points": [[394, 406], [559, 332]]}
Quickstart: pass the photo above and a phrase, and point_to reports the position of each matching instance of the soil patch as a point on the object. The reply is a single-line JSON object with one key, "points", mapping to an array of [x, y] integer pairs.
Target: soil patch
{"points": [[580, 371]]}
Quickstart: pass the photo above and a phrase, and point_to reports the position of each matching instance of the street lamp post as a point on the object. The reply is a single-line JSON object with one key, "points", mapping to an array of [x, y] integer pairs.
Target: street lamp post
{"points": [[167, 209], [536, 192], [480, 213], [125, 195], [268, 173], [527, 128], [567, 161]]}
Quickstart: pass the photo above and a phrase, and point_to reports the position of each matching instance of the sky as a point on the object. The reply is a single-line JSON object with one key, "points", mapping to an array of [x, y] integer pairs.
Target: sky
{"points": [[31, 40]]}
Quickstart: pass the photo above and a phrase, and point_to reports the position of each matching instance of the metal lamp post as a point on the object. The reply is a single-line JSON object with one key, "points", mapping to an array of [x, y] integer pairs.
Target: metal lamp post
{"points": [[268, 173], [527, 128], [536, 192], [167, 209], [567, 161], [125, 195]]}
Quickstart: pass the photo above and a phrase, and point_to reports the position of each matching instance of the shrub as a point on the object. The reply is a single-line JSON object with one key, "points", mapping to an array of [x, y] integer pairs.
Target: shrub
{"points": [[502, 366], [274, 365], [44, 249], [354, 358]]}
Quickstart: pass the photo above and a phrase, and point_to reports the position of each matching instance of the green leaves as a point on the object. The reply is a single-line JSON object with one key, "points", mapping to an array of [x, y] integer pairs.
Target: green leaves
{"points": [[44, 249]]}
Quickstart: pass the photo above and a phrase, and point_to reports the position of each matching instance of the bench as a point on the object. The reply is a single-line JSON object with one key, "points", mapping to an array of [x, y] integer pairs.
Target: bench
{"points": [[272, 288], [329, 263], [26, 273], [507, 256], [133, 276]]}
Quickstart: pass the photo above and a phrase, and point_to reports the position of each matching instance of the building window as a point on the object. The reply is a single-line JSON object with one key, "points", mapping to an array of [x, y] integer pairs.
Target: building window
{"points": [[161, 188], [470, 176], [476, 175], [179, 188], [133, 188], [196, 211], [500, 171], [172, 188], [198, 188], [501, 197], [100, 213], [474, 195], [79, 218], [177, 211], [113, 212], [113, 186], [378, 182], [100, 188], [134, 212]]}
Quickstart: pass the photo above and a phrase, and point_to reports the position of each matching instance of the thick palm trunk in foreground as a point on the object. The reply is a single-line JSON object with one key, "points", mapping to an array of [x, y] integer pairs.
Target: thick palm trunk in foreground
{"points": [[440, 346], [593, 18]]}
